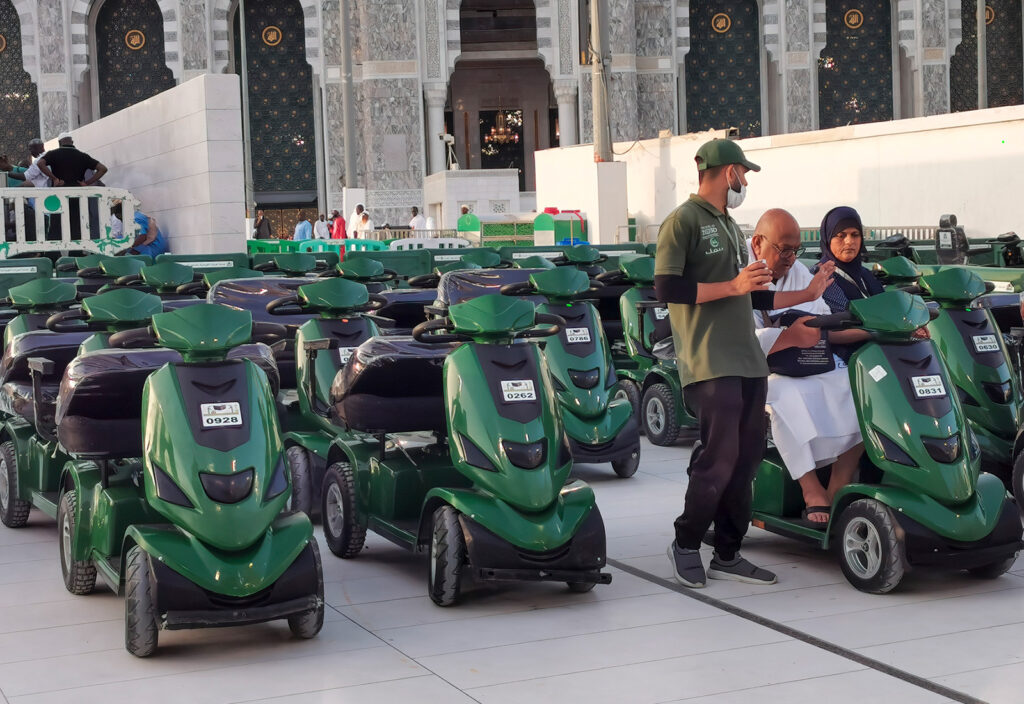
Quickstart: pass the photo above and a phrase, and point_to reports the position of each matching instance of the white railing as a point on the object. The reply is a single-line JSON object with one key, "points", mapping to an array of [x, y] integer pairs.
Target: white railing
{"points": [[429, 243], [41, 219], [396, 233]]}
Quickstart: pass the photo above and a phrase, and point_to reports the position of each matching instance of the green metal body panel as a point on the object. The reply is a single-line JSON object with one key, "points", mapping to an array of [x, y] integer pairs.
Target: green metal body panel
{"points": [[205, 331], [41, 294], [539, 531], [166, 276], [535, 262], [39, 462], [213, 277], [14, 272], [325, 366], [492, 317], [333, 297], [410, 262], [601, 428], [293, 263], [238, 573], [116, 267], [440, 257], [513, 254], [121, 309]]}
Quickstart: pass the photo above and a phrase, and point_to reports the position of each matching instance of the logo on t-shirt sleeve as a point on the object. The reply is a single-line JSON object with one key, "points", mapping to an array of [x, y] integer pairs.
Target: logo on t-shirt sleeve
{"points": [[711, 239]]}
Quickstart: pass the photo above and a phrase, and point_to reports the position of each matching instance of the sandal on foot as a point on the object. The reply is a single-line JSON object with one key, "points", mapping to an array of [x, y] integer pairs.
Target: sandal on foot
{"points": [[827, 510]]}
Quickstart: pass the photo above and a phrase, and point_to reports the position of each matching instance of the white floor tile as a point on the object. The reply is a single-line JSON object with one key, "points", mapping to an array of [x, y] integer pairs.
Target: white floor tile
{"points": [[423, 689], [996, 685]]}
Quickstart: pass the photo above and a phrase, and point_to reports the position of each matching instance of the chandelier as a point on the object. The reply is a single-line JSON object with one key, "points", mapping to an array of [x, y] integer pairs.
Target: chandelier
{"points": [[501, 133]]}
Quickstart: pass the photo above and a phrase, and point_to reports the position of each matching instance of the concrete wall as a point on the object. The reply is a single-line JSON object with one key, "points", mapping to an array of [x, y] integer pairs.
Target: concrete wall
{"points": [[906, 172], [180, 153], [488, 192]]}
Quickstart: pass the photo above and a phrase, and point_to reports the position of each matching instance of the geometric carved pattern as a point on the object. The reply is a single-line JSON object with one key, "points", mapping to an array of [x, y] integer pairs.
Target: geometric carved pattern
{"points": [[280, 97], [19, 101], [855, 67], [1005, 60], [723, 67], [963, 65], [131, 62]]}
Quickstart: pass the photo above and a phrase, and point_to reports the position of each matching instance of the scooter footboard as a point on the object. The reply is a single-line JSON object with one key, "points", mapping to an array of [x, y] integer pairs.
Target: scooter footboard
{"points": [[927, 548], [580, 559]]}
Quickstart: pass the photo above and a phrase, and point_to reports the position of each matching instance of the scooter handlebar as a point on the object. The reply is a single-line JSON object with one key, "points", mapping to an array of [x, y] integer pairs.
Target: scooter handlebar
{"points": [[268, 333], [192, 288], [424, 280], [520, 288], [136, 337], [129, 280], [611, 277], [913, 289], [554, 323], [90, 271], [424, 332], [290, 304], [835, 321], [63, 321]]}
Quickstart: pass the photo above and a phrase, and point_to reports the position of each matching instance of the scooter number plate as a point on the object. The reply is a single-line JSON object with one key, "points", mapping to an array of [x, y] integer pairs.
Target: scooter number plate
{"points": [[986, 343], [221, 415], [928, 386], [661, 313], [344, 353], [577, 335], [515, 390]]}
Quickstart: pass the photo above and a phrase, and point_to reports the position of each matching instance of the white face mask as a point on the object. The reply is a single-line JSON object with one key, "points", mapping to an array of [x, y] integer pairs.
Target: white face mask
{"points": [[734, 198]]}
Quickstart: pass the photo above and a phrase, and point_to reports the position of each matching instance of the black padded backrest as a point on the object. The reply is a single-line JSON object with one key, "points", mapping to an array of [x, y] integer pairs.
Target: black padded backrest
{"points": [[60, 348]]}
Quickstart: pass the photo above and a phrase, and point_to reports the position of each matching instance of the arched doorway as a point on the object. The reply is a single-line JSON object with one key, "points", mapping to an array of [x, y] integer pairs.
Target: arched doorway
{"points": [[1004, 57], [723, 67], [281, 112], [855, 83], [131, 65], [19, 101]]}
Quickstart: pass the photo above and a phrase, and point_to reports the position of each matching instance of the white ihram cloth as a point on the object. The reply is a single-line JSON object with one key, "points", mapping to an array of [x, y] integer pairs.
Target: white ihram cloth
{"points": [[813, 417]]}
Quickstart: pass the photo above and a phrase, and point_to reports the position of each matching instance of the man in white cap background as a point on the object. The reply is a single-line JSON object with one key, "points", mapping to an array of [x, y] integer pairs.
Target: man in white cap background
{"points": [[66, 167]]}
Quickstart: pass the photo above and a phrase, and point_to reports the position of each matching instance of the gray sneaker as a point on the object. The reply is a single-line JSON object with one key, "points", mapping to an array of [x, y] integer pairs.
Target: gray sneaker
{"points": [[740, 570], [687, 566]]}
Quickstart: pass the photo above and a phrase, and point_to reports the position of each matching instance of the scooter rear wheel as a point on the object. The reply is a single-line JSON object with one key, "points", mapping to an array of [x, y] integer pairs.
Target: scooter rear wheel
{"points": [[307, 625], [871, 554], [79, 575], [344, 532], [140, 625], [1017, 480], [658, 414], [447, 556], [13, 511]]}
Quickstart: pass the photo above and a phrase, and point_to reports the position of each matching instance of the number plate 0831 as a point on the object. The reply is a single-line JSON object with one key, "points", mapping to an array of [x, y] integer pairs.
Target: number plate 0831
{"points": [[928, 386]]}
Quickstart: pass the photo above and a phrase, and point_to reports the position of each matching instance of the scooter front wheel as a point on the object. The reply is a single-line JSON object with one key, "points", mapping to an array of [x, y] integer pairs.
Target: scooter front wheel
{"points": [[140, 625], [344, 532], [872, 555], [302, 480], [1017, 480], [79, 575], [13, 511], [307, 625], [447, 556]]}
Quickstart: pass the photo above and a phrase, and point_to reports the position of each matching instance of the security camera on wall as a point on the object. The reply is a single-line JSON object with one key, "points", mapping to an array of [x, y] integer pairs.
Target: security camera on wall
{"points": [[446, 138], [449, 140]]}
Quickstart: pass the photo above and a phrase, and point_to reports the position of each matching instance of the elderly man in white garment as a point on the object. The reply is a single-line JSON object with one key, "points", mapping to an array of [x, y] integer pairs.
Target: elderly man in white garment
{"points": [[813, 419]]}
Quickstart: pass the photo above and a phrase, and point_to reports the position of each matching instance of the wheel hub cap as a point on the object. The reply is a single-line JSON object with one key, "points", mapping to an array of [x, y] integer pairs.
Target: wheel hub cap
{"points": [[656, 416], [65, 540], [862, 548], [335, 510], [4, 479]]}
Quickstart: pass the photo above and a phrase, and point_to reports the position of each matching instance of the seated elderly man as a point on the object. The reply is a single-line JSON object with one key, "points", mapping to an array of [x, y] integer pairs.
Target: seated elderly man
{"points": [[813, 419]]}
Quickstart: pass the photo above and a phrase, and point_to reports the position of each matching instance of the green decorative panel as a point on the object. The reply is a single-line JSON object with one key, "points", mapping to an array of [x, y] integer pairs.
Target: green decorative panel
{"points": [[280, 96], [19, 101], [855, 67], [1003, 51], [131, 64], [723, 67]]}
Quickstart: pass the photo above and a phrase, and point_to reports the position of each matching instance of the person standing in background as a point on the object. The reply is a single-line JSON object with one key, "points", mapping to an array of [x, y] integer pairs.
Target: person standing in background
{"points": [[321, 229], [261, 228], [338, 227], [303, 230]]}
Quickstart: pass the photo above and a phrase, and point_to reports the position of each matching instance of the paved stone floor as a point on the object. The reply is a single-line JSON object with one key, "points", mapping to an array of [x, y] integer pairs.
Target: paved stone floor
{"points": [[942, 637]]}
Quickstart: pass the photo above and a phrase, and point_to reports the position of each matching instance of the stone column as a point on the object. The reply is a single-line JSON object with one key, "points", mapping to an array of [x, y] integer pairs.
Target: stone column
{"points": [[936, 51], [565, 94], [790, 39], [436, 96], [622, 79]]}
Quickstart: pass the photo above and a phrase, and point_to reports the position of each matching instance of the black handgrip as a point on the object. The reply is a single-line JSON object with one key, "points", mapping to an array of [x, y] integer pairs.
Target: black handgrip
{"points": [[610, 277], [934, 311], [91, 271], [834, 321], [424, 280], [129, 280], [61, 322], [268, 333], [82, 295], [67, 266], [555, 324], [192, 288], [989, 287], [602, 259], [136, 337], [913, 289], [595, 286], [330, 273], [388, 275], [269, 265], [520, 288], [276, 305], [424, 332], [377, 302], [560, 260]]}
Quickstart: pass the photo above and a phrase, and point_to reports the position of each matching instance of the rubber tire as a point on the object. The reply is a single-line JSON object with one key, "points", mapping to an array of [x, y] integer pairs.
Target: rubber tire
{"points": [[631, 390], [347, 543], [580, 587], [1017, 480], [141, 632], [662, 394], [302, 480], [627, 466], [893, 561], [993, 570], [307, 625], [79, 575], [15, 513], [447, 557]]}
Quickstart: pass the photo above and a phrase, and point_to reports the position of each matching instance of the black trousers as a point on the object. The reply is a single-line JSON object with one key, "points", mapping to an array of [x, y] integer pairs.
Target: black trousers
{"points": [[730, 411]]}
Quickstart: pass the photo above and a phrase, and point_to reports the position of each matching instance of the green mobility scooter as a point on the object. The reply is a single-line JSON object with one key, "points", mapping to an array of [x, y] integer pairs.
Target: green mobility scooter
{"points": [[34, 303], [645, 357], [487, 494], [920, 500], [192, 533], [600, 428]]}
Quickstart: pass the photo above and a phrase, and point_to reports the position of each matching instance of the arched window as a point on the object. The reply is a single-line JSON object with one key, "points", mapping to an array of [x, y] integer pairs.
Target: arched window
{"points": [[723, 67], [855, 67], [280, 101], [19, 102], [130, 61]]}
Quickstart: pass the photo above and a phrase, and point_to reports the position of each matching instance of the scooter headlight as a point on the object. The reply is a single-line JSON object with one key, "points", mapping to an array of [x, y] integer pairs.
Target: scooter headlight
{"points": [[945, 450], [587, 379], [893, 452], [474, 456], [167, 490], [227, 488], [525, 455], [973, 447], [999, 393], [278, 480]]}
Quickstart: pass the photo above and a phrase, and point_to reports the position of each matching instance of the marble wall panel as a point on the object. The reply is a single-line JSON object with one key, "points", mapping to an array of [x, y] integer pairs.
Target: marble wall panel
{"points": [[586, 121], [622, 26], [936, 89], [389, 30], [331, 33], [798, 28], [622, 106], [798, 100], [355, 28], [392, 107], [653, 28], [656, 98], [50, 35], [54, 109], [335, 127], [193, 34], [933, 22]]}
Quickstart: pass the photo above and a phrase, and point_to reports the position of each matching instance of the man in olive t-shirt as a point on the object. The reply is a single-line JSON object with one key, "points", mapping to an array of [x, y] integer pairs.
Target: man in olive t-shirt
{"points": [[702, 272]]}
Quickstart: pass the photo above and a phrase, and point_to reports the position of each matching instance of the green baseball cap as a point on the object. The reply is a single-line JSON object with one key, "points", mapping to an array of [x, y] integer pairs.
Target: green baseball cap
{"points": [[721, 152]]}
